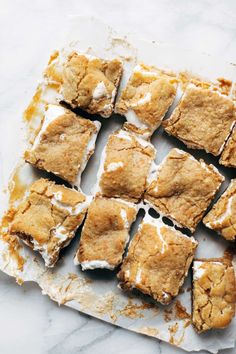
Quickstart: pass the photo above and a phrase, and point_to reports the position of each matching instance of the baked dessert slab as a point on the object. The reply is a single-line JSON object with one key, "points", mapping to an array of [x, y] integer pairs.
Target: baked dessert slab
{"points": [[214, 293], [48, 217], [183, 188], [203, 119], [125, 166], [105, 233], [158, 260], [90, 83], [228, 156], [222, 217], [147, 96], [63, 144]]}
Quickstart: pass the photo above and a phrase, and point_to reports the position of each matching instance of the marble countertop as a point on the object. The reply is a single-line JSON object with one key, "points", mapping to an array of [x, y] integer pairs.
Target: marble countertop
{"points": [[29, 322]]}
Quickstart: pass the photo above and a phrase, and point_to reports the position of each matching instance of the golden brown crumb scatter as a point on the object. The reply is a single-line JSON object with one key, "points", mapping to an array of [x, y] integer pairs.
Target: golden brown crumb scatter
{"points": [[183, 188], [180, 311], [202, 120], [157, 261], [222, 217], [214, 293]]}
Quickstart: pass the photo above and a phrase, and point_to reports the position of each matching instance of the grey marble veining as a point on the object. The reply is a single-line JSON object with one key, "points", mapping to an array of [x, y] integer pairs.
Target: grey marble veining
{"points": [[29, 322]]}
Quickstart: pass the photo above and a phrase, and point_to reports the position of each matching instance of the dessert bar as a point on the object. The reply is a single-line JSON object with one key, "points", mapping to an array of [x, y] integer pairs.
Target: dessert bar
{"points": [[214, 293], [147, 97], [63, 143], [183, 188], [125, 166], [105, 233], [222, 217], [203, 119], [48, 217], [158, 260]]}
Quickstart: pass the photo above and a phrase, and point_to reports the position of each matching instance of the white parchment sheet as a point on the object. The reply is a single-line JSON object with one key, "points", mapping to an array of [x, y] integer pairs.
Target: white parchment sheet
{"points": [[96, 292]]}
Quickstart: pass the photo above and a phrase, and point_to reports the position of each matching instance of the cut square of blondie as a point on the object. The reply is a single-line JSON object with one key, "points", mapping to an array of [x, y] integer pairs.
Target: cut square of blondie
{"points": [[48, 217], [222, 217], [105, 233], [228, 156], [158, 260], [214, 293], [90, 83], [147, 97], [64, 143], [203, 119], [125, 166], [183, 188]]}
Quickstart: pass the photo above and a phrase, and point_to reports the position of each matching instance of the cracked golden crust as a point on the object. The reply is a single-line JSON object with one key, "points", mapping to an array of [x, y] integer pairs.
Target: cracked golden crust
{"points": [[82, 74], [228, 156], [222, 217], [129, 179], [202, 120], [184, 188], [160, 258], [106, 232], [161, 86], [62, 146], [214, 295], [36, 218]]}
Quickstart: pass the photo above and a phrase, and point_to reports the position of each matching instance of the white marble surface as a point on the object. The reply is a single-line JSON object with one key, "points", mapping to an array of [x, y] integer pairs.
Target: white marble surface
{"points": [[29, 322]]}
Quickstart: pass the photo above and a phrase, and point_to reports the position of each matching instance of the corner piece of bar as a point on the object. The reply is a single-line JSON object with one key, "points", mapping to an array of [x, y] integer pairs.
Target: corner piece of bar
{"points": [[147, 96], [183, 188], [158, 260], [48, 217], [203, 119], [63, 143], [105, 233], [222, 217], [214, 294]]}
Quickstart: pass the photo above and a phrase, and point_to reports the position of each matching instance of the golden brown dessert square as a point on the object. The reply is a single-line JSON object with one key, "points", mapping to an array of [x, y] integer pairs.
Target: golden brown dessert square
{"points": [[222, 217], [183, 188], [203, 119], [105, 233], [228, 156], [125, 166], [48, 217], [90, 83], [214, 293], [147, 96], [64, 143], [158, 260]]}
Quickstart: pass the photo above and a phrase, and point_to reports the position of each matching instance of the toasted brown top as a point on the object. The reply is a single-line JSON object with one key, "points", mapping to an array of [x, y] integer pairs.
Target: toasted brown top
{"points": [[228, 157], [183, 188], [126, 166], [214, 294], [62, 146], [81, 76], [47, 207], [158, 261], [202, 120], [105, 232], [222, 217], [149, 93]]}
